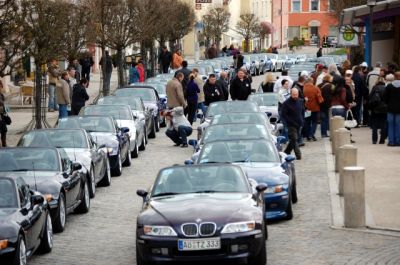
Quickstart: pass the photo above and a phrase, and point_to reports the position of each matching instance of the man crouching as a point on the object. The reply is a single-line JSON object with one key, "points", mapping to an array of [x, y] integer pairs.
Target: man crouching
{"points": [[178, 127]]}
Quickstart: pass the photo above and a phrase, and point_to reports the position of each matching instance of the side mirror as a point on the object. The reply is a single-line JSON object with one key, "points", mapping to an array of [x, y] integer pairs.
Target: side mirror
{"points": [[135, 117], [189, 162], [163, 100], [192, 142], [124, 129], [200, 116], [261, 187], [142, 193], [76, 166], [290, 158], [281, 139], [37, 199], [269, 114]]}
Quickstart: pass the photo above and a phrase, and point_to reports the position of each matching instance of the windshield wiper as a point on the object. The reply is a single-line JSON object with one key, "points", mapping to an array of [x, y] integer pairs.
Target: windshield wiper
{"points": [[21, 169], [166, 194], [208, 191]]}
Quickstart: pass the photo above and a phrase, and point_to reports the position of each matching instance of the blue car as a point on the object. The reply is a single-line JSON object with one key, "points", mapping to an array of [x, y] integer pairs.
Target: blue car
{"points": [[262, 164]]}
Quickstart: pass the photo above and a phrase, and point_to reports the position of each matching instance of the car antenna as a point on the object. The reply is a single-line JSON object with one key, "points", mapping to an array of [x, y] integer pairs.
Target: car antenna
{"points": [[34, 174]]}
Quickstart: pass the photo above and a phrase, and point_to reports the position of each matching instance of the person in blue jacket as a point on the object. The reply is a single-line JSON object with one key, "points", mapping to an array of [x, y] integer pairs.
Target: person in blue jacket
{"points": [[134, 76]]}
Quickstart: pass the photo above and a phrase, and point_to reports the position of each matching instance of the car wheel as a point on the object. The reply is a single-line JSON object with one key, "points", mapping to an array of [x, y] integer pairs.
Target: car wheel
{"points": [[118, 170], [140, 260], [142, 146], [59, 221], [163, 123], [157, 124], [153, 130], [84, 206], [106, 180], [260, 258], [128, 158], [92, 186], [20, 253], [46, 242], [294, 193], [135, 152], [289, 210]]}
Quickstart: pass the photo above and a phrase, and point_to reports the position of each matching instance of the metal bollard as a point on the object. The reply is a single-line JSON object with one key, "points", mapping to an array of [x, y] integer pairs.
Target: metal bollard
{"points": [[346, 157], [354, 197], [342, 137]]}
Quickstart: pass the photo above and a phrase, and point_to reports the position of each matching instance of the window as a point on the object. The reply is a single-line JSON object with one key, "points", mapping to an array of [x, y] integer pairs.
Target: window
{"points": [[314, 5], [296, 5]]}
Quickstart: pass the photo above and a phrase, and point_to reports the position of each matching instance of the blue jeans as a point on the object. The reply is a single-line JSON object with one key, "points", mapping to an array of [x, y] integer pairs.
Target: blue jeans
{"points": [[62, 111], [202, 107], [52, 97], [393, 128], [339, 112], [324, 123], [312, 124], [180, 136], [300, 136]]}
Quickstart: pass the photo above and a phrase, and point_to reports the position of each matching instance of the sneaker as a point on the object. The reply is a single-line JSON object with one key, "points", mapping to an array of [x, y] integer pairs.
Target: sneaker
{"points": [[184, 145], [373, 142], [302, 144], [177, 145], [382, 142], [298, 157], [313, 138]]}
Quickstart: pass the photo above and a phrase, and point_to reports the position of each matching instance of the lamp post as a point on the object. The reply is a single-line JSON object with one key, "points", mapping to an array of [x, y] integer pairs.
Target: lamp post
{"points": [[371, 4]]}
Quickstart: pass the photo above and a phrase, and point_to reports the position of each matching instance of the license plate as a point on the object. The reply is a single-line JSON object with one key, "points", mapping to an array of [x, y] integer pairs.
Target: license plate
{"points": [[199, 244]]}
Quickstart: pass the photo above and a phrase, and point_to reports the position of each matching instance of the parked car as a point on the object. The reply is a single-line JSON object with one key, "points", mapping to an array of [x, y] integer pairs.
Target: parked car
{"points": [[261, 162], [79, 146], [256, 65], [25, 222], [50, 172], [105, 132], [268, 103], [231, 227], [122, 114]]}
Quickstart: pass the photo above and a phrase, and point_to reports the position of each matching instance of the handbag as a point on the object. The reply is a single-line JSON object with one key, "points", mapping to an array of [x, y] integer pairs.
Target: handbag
{"points": [[6, 119], [350, 123]]}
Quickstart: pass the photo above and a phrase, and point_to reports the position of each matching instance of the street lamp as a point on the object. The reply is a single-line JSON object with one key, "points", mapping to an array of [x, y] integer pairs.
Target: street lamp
{"points": [[371, 4]]}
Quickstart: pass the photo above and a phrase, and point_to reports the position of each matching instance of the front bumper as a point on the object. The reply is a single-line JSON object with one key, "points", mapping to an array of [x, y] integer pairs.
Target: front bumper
{"points": [[276, 205], [232, 247]]}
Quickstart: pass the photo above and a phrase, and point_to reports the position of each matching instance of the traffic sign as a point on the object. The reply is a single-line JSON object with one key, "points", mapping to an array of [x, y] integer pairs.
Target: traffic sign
{"points": [[348, 36]]}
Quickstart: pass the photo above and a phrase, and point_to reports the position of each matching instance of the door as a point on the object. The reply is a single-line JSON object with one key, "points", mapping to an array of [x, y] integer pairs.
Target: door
{"points": [[72, 180]]}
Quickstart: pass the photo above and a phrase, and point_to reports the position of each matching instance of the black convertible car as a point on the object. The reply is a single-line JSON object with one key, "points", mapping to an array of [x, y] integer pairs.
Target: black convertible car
{"points": [[25, 224], [52, 173], [223, 216]]}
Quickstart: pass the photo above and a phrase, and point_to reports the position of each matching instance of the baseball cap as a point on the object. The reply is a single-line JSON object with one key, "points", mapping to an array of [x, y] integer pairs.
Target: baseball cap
{"points": [[320, 66], [364, 64], [349, 72], [304, 73]]}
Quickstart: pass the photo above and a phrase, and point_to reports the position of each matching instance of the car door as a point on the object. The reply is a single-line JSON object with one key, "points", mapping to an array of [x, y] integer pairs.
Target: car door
{"points": [[96, 158], [148, 116], [72, 184]]}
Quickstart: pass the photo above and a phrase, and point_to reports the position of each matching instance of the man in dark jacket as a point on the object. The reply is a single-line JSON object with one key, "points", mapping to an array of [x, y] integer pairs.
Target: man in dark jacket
{"points": [[165, 59], [292, 112], [186, 72], [240, 87], [361, 93], [108, 64], [212, 90], [223, 82], [79, 96], [86, 63], [392, 98]]}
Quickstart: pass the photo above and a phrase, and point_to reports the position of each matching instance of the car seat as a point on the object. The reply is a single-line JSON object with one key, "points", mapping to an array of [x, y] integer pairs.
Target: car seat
{"points": [[219, 153], [178, 182]]}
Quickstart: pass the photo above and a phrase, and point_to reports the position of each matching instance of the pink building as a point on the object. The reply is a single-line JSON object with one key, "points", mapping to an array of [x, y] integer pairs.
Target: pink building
{"points": [[280, 20]]}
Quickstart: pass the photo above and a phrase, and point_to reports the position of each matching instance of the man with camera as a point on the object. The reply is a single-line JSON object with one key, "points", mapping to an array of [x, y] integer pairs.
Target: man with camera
{"points": [[178, 127]]}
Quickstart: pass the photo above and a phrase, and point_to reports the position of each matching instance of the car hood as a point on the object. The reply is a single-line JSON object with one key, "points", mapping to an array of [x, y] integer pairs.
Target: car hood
{"points": [[226, 208], [270, 173], [8, 227], [129, 124], [47, 182], [109, 139], [81, 155], [272, 109]]}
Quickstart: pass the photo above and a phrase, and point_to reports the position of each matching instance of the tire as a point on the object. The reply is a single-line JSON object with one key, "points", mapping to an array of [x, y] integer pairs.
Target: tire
{"points": [[153, 130], [84, 206], [142, 146], [289, 210], [140, 260], [92, 186], [128, 158], [163, 123], [118, 171], [46, 242], [294, 193], [20, 253], [260, 258], [157, 121], [106, 180], [59, 221], [135, 152]]}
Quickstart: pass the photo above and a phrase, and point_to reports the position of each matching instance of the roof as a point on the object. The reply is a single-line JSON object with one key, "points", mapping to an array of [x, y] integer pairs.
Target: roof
{"points": [[354, 15]]}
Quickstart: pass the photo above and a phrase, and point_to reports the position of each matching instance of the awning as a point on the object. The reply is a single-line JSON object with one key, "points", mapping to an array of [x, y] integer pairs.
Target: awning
{"points": [[267, 28], [314, 23], [353, 15]]}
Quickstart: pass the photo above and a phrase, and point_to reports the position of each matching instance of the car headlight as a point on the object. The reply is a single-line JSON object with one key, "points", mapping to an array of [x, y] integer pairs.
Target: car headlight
{"points": [[3, 243], [274, 189], [157, 230], [239, 227]]}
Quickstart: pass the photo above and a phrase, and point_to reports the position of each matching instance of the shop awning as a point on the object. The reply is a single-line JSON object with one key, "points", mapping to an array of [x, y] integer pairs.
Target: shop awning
{"points": [[354, 15], [314, 23], [267, 28]]}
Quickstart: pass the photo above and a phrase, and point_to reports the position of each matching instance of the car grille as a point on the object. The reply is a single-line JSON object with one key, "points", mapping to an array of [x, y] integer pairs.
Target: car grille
{"points": [[190, 229], [207, 229]]}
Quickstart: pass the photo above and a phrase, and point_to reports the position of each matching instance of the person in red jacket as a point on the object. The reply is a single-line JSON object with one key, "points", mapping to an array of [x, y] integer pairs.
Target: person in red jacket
{"points": [[140, 68], [313, 97]]}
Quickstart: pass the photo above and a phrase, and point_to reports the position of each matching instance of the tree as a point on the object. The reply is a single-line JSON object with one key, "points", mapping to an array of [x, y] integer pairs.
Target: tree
{"points": [[217, 23], [338, 6], [248, 27]]}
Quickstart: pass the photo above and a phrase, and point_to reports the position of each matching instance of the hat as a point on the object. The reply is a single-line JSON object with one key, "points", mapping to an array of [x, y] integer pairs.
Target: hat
{"points": [[364, 64], [304, 73], [320, 66], [349, 72]]}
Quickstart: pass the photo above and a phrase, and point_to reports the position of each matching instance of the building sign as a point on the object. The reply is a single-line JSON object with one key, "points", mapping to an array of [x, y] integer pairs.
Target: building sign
{"points": [[198, 7], [203, 1], [348, 36]]}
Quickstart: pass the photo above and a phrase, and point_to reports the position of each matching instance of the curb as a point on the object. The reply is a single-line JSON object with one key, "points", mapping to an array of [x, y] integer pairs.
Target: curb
{"points": [[337, 212]]}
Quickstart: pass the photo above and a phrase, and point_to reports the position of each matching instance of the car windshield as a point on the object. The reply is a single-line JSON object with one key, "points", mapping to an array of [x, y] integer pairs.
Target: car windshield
{"points": [[254, 58], [90, 124], [230, 106], [159, 87], [267, 99], [282, 56], [118, 112], [257, 118], [196, 179], [146, 94], [132, 102], [235, 132], [238, 151], [29, 159], [8, 195], [55, 138]]}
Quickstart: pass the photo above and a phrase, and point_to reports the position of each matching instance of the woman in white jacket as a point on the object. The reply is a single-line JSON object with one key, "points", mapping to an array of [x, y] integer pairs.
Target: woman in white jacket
{"points": [[178, 127]]}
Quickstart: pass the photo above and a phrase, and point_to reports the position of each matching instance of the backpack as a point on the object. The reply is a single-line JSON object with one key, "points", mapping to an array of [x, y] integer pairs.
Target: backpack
{"points": [[375, 99]]}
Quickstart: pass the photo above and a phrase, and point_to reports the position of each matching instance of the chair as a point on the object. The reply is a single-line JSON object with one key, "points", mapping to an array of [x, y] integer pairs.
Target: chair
{"points": [[26, 93]]}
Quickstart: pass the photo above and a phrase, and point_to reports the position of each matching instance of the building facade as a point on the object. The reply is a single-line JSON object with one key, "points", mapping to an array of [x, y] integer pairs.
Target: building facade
{"points": [[280, 21], [311, 20]]}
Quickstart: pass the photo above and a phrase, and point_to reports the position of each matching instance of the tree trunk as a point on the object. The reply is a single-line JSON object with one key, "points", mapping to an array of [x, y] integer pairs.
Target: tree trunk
{"points": [[106, 89], [38, 97], [152, 60], [120, 65], [246, 44]]}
